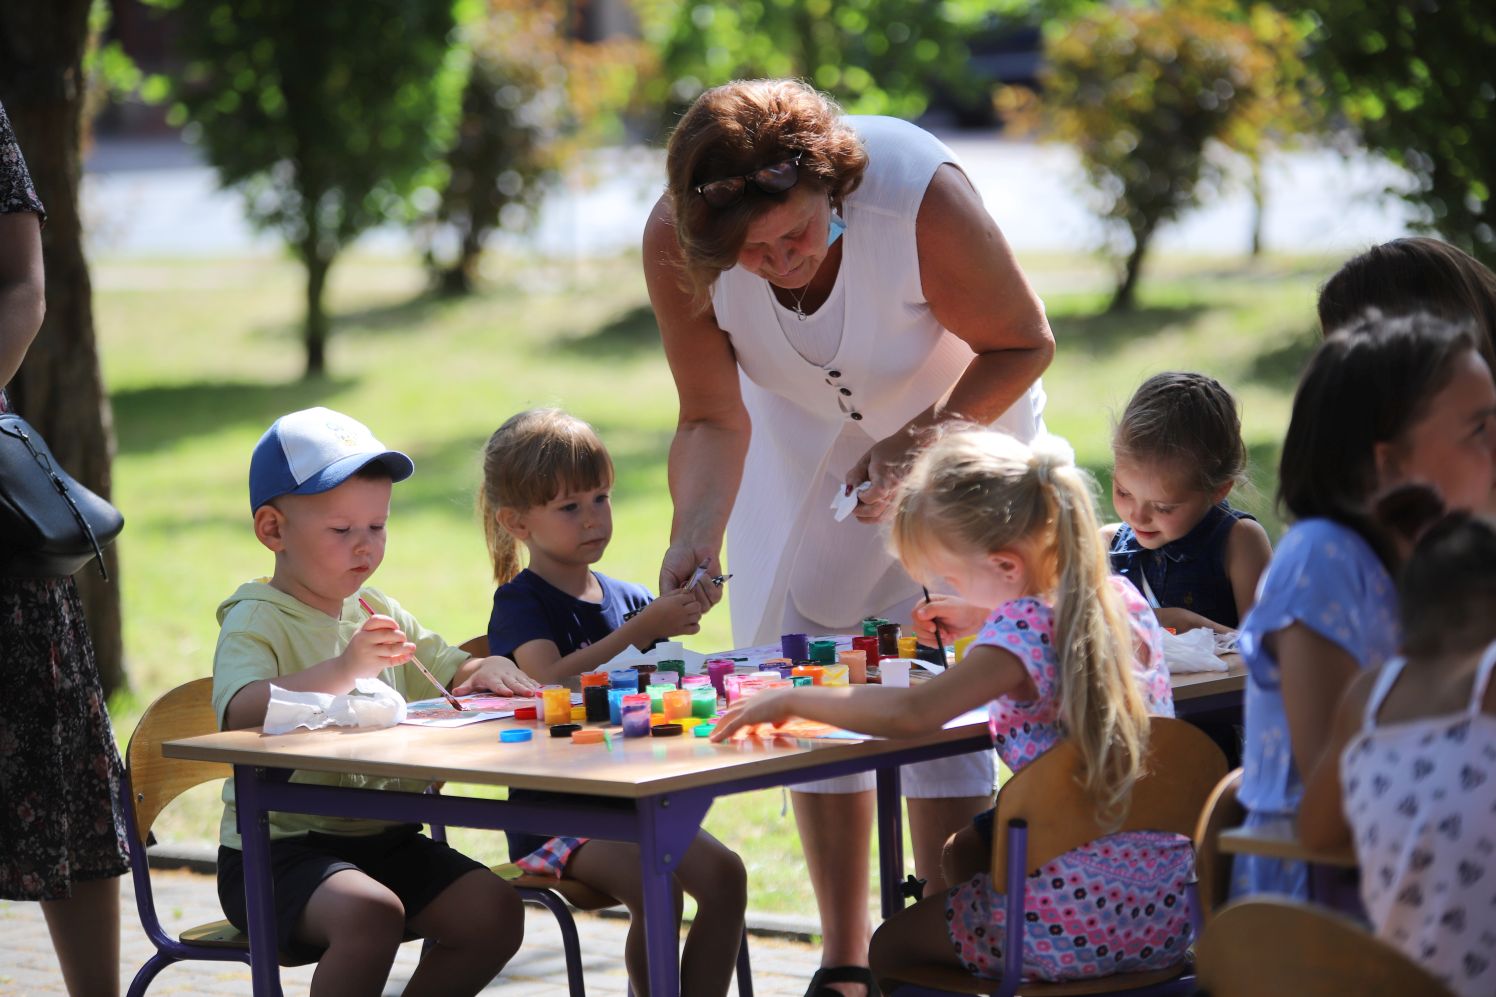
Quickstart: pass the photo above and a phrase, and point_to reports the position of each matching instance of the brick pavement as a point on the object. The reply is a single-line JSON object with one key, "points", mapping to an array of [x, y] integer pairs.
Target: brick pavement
{"points": [[27, 965]]}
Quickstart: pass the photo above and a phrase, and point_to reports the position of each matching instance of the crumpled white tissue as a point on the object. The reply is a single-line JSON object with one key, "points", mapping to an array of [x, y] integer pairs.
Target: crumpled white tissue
{"points": [[843, 504], [1194, 651], [371, 705]]}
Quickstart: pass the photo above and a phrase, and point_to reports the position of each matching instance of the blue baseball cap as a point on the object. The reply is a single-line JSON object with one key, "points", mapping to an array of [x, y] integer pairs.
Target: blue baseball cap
{"points": [[313, 451]]}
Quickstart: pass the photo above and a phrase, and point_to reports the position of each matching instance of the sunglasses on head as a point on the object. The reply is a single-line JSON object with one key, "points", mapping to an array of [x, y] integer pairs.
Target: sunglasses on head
{"points": [[776, 178]]}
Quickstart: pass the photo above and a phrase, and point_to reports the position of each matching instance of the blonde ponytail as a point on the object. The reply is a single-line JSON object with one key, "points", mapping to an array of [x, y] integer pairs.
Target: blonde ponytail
{"points": [[979, 490]]}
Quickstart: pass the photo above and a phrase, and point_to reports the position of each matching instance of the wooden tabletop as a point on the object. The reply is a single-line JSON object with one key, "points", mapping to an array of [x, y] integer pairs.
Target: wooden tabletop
{"points": [[1280, 840], [1192, 685]]}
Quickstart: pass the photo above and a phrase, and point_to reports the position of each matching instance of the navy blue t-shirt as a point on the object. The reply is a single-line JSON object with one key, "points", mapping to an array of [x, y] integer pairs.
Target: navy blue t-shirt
{"points": [[530, 608]]}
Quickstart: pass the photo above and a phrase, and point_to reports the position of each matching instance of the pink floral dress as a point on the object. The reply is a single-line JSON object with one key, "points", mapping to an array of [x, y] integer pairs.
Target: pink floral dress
{"points": [[1114, 905]]}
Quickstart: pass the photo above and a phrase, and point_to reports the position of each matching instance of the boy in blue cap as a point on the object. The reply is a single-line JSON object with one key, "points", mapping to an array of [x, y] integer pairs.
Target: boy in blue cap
{"points": [[319, 487]]}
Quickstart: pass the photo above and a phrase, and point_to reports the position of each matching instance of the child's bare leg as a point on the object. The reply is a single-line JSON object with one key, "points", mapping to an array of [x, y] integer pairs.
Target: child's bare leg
{"points": [[931, 822], [85, 935], [965, 855], [915, 936], [360, 923], [613, 868], [475, 926], [713, 874]]}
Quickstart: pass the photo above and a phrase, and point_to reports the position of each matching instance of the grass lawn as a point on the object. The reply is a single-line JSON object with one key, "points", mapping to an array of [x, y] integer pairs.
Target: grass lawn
{"points": [[201, 355]]}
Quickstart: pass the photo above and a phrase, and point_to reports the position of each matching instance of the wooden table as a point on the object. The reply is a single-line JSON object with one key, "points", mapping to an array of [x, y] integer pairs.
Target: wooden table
{"points": [[1196, 693], [650, 791]]}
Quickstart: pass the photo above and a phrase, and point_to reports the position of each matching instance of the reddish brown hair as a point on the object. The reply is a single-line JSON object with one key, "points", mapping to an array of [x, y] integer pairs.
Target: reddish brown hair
{"points": [[733, 130]]}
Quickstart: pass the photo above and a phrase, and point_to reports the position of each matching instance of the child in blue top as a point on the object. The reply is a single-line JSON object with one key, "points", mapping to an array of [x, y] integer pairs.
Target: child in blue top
{"points": [[546, 483], [1382, 402], [1177, 453]]}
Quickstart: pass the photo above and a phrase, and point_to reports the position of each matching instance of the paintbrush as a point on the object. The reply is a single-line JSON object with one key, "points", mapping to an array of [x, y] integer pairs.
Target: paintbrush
{"points": [[935, 622], [451, 699]]}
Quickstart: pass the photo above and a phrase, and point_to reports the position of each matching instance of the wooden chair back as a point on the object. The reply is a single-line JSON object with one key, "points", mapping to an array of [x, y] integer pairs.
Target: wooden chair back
{"points": [[1212, 866], [155, 781], [1262, 946], [477, 646], [1182, 767]]}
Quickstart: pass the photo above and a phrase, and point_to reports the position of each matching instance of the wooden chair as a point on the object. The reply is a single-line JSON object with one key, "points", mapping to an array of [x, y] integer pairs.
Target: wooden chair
{"points": [[1265, 947], [555, 894], [152, 782], [1042, 812], [1212, 866]]}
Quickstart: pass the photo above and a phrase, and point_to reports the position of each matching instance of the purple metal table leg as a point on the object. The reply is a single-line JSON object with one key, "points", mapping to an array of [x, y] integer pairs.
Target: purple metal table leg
{"points": [[890, 841], [254, 830], [667, 826]]}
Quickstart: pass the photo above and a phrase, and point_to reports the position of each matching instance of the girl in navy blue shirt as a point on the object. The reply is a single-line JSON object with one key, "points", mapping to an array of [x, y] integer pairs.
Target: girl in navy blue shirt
{"points": [[1177, 454], [546, 484]]}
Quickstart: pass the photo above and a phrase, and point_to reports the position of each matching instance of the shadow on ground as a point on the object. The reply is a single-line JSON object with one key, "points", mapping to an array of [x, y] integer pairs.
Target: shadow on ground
{"points": [[626, 336], [1280, 363], [159, 415], [1101, 333]]}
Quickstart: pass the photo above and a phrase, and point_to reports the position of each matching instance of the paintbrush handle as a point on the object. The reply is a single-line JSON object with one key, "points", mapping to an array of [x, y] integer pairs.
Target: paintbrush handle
{"points": [[451, 699]]}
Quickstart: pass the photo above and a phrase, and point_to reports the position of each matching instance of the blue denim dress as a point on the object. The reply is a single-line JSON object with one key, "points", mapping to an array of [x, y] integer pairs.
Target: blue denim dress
{"points": [[1188, 573]]}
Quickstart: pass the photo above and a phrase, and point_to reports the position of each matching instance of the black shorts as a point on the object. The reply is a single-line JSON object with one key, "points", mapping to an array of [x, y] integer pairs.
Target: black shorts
{"points": [[413, 867]]}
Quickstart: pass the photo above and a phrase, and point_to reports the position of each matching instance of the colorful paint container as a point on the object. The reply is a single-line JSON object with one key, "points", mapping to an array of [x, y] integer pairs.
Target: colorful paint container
{"points": [[579, 714], [635, 712], [704, 702], [822, 652], [856, 663], [815, 673], [527, 713], [595, 703], [870, 626], [656, 691], [556, 700], [895, 672], [590, 679], [695, 682], [834, 675], [717, 669], [908, 647], [592, 736], [801, 680], [615, 704], [624, 678], [677, 704], [869, 647], [646, 676], [962, 644], [796, 647], [704, 730], [888, 640], [514, 736]]}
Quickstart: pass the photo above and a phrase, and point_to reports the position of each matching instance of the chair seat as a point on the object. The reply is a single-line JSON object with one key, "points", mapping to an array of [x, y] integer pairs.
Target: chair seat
{"points": [[217, 935], [578, 894], [956, 981]]}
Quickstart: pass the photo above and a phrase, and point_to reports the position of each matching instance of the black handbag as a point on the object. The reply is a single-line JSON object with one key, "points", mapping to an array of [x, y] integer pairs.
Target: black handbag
{"points": [[50, 525]]}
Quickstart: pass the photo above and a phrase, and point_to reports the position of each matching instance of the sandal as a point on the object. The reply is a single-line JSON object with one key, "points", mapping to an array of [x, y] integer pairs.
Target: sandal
{"points": [[841, 974]]}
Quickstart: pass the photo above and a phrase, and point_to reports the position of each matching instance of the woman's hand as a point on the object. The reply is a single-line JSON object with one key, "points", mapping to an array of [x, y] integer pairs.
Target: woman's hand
{"points": [[883, 467], [956, 618], [498, 674], [772, 707], [681, 562]]}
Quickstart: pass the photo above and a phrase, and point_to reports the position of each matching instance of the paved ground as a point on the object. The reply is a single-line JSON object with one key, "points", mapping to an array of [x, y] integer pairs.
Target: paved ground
{"points": [[27, 965]]}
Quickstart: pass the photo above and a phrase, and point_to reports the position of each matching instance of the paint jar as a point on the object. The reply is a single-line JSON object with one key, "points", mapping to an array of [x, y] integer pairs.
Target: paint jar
{"points": [[856, 662], [962, 644], [834, 675], [822, 652], [796, 647], [895, 672], [646, 676], [635, 710], [579, 714], [615, 704], [695, 682], [677, 704], [869, 647], [656, 691], [907, 647], [732, 687], [815, 673], [675, 666], [801, 680], [718, 669], [750, 686], [704, 702], [599, 679], [557, 701], [595, 702], [767, 674], [624, 678], [870, 626], [888, 640]]}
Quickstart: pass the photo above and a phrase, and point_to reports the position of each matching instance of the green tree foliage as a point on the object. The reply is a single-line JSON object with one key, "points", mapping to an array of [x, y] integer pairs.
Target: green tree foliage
{"points": [[873, 56], [1415, 81], [535, 97], [326, 115], [1140, 92]]}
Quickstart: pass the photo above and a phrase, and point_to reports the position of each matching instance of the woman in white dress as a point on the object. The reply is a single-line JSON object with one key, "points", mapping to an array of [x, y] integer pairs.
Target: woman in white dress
{"points": [[828, 288]]}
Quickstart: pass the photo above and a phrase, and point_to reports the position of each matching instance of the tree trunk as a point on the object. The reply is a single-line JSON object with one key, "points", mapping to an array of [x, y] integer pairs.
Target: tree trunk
{"points": [[1259, 203], [59, 387], [1125, 296], [317, 264]]}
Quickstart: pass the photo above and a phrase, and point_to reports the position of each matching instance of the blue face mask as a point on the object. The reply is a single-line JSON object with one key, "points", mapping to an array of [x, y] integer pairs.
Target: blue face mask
{"points": [[837, 228]]}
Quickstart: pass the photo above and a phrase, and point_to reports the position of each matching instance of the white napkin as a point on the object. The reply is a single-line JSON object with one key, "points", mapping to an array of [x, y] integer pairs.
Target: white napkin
{"points": [[372, 704], [1194, 651], [843, 504]]}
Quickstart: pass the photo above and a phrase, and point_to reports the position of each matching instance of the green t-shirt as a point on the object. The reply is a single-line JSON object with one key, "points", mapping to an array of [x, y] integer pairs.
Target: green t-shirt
{"points": [[265, 633]]}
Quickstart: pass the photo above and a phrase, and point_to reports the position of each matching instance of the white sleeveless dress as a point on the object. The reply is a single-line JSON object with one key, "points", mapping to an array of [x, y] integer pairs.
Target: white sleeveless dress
{"points": [[812, 422], [1420, 797]]}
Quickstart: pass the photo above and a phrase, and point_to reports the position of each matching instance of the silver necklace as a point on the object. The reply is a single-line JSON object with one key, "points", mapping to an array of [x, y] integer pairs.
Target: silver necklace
{"points": [[799, 311]]}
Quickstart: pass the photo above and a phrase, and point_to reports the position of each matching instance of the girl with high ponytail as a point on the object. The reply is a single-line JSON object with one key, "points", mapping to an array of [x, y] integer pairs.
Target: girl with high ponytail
{"points": [[1068, 651]]}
